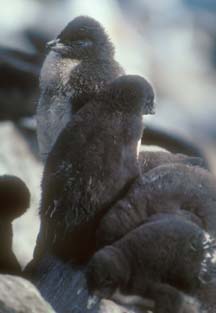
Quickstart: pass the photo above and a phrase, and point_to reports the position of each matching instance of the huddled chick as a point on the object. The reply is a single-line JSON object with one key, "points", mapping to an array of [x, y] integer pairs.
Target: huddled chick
{"points": [[80, 63], [173, 188], [91, 166], [160, 260], [89, 126]]}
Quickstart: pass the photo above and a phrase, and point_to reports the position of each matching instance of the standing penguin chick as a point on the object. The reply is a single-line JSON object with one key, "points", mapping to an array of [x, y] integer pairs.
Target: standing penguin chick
{"points": [[159, 260], [181, 189], [80, 63], [14, 201], [91, 165]]}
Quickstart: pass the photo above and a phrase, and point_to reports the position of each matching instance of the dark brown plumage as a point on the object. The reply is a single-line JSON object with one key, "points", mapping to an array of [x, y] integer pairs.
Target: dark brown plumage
{"points": [[151, 159], [159, 260], [174, 188], [91, 166]]}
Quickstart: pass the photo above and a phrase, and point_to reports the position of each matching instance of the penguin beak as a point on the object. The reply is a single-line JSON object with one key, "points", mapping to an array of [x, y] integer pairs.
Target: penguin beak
{"points": [[52, 43], [55, 45], [150, 110]]}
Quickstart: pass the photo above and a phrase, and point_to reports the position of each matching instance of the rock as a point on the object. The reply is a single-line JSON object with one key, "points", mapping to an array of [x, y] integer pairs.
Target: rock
{"points": [[64, 286], [17, 295]]}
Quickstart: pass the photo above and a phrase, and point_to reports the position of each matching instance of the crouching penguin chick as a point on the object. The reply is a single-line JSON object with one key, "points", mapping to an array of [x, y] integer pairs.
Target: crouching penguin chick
{"points": [[160, 260]]}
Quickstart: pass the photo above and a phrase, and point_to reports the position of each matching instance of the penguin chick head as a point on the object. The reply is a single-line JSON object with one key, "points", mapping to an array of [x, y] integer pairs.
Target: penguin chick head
{"points": [[14, 197], [83, 38], [107, 271], [132, 93]]}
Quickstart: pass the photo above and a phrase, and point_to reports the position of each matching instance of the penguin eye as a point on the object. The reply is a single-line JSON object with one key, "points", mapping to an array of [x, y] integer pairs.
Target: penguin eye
{"points": [[84, 43], [149, 100]]}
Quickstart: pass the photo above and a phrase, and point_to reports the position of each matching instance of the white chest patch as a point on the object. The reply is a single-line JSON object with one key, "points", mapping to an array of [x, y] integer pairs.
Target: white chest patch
{"points": [[54, 107], [56, 70]]}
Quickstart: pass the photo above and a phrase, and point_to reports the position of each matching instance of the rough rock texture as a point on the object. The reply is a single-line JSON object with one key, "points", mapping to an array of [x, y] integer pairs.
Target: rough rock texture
{"points": [[64, 287], [17, 295]]}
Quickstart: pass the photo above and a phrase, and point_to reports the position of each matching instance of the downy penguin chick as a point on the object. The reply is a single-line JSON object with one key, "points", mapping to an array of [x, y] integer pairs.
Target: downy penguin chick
{"points": [[91, 166], [173, 188], [159, 261], [80, 63]]}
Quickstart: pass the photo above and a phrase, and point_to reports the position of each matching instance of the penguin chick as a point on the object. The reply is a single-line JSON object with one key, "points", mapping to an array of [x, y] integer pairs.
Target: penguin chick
{"points": [[14, 201], [173, 188], [80, 63], [91, 166], [151, 159], [159, 260]]}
